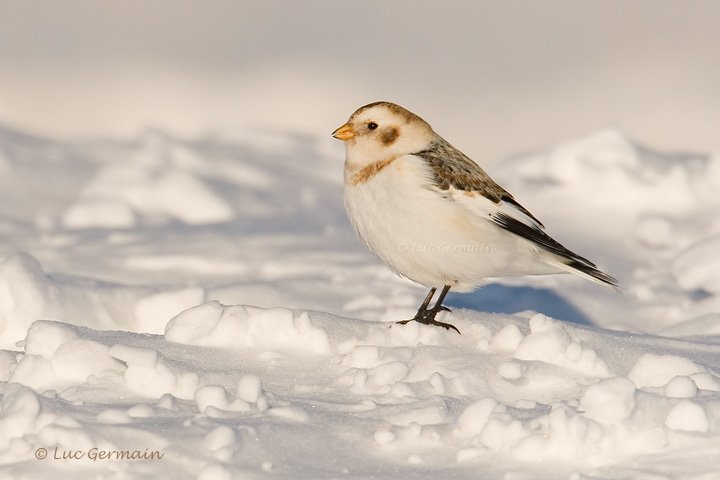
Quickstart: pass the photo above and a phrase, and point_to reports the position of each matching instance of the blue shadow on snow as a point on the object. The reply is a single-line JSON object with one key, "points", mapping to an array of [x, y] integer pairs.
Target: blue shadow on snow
{"points": [[504, 299]]}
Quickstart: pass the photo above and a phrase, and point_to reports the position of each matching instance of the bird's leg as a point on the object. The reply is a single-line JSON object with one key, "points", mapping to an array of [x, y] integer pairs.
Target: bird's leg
{"points": [[423, 307], [426, 315], [426, 302]]}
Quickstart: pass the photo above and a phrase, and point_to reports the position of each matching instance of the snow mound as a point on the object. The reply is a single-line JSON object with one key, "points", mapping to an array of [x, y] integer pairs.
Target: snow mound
{"points": [[155, 182], [213, 324], [27, 293], [160, 180], [698, 266], [617, 173], [540, 391]]}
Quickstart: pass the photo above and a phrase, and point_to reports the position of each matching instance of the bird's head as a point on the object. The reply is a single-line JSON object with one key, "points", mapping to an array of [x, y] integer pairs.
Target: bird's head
{"points": [[381, 131]]}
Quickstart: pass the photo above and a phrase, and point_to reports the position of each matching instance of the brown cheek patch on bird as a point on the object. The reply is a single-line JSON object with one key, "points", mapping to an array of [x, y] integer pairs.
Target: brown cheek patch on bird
{"points": [[388, 136], [369, 171]]}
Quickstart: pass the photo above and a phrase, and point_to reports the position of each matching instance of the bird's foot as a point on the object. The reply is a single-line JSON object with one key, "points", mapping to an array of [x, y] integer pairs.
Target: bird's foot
{"points": [[427, 317]]}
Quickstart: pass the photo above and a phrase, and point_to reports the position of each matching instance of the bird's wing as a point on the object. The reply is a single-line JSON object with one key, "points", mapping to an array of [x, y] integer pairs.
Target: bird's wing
{"points": [[456, 176], [459, 179]]}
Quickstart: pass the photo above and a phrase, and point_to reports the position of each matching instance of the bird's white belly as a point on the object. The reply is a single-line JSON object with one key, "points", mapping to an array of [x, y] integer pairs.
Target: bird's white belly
{"points": [[430, 239]]}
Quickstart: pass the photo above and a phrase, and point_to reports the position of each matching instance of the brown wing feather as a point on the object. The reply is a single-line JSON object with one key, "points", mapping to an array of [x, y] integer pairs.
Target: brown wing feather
{"points": [[452, 168]]}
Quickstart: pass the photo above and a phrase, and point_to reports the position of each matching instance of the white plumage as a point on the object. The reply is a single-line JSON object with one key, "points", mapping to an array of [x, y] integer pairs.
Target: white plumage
{"points": [[434, 216]]}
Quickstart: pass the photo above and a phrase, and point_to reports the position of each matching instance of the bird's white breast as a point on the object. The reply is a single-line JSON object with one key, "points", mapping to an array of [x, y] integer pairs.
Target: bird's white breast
{"points": [[426, 237]]}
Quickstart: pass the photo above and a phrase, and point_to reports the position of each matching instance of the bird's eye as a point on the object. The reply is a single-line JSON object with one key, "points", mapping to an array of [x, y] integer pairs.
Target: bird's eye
{"points": [[372, 125]]}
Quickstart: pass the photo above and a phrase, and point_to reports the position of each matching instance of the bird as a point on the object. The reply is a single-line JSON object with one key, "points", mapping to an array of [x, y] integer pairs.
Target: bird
{"points": [[433, 215]]}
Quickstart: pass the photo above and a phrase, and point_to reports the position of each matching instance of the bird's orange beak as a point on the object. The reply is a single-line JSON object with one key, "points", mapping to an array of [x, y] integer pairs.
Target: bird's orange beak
{"points": [[343, 133]]}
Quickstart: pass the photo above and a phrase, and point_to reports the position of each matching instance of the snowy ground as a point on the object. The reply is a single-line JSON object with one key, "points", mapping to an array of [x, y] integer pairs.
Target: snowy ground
{"points": [[207, 302]]}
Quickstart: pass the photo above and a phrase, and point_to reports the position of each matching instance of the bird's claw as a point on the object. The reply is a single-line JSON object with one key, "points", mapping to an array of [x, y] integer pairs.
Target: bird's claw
{"points": [[446, 326], [427, 320]]}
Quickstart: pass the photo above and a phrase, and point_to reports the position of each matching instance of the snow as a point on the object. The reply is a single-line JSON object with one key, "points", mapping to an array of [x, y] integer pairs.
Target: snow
{"points": [[203, 308], [696, 268]]}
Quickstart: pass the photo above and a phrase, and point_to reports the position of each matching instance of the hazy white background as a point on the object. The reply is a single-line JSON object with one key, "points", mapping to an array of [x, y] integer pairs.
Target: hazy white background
{"points": [[496, 78]]}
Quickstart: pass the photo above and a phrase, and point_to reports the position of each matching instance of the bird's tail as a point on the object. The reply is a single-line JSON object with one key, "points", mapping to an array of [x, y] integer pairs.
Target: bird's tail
{"points": [[586, 270], [555, 254]]}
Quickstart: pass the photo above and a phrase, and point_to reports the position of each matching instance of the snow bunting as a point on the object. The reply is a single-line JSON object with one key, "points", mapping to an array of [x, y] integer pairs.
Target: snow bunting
{"points": [[434, 216]]}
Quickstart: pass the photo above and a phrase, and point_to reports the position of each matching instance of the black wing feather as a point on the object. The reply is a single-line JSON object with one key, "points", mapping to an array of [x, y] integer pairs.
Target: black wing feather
{"points": [[545, 241]]}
